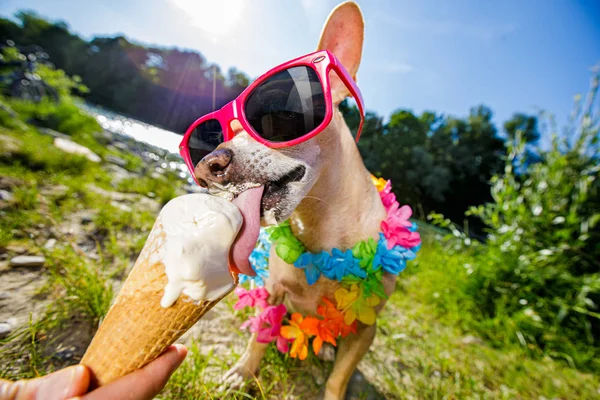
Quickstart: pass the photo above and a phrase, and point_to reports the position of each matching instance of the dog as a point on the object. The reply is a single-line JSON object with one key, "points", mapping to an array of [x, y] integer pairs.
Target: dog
{"points": [[324, 189]]}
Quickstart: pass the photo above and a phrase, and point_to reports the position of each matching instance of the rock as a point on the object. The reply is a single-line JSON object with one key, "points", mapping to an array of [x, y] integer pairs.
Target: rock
{"points": [[116, 160], [6, 195], [121, 146], [54, 190], [469, 339], [119, 174], [69, 146], [27, 261], [65, 354], [87, 219], [50, 244], [7, 327], [121, 206], [4, 295], [16, 248], [117, 196], [53, 133], [9, 144]]}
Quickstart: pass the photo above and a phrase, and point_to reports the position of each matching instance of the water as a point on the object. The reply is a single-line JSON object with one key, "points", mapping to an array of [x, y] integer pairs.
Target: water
{"points": [[137, 130], [145, 133]]}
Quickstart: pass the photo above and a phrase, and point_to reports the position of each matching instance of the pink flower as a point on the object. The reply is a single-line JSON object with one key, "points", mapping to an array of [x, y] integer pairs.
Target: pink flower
{"points": [[399, 235], [388, 198], [398, 216], [251, 298], [267, 326]]}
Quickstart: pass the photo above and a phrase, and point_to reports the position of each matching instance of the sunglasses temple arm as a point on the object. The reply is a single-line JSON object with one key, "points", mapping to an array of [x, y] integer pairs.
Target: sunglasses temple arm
{"points": [[354, 91]]}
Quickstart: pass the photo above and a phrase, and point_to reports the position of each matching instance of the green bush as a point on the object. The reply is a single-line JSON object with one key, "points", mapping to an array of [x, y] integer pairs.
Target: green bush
{"points": [[539, 280]]}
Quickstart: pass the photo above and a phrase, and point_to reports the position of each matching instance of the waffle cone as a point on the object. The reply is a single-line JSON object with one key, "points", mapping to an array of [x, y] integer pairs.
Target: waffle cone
{"points": [[137, 329]]}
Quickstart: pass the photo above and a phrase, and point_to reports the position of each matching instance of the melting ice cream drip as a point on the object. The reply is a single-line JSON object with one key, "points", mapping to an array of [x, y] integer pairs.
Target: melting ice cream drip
{"points": [[199, 230]]}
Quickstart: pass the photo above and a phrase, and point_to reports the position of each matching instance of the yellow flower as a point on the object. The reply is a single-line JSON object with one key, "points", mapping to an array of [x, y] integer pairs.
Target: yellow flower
{"points": [[293, 331], [378, 182], [355, 306]]}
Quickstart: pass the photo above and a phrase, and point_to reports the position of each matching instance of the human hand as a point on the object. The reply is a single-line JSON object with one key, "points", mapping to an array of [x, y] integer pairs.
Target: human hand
{"points": [[73, 382]]}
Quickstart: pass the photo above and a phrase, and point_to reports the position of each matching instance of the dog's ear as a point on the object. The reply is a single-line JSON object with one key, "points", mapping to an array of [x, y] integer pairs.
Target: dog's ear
{"points": [[343, 35]]}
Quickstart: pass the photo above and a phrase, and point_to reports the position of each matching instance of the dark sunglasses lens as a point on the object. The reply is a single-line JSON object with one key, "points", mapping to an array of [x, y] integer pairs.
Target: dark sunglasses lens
{"points": [[287, 106], [204, 139]]}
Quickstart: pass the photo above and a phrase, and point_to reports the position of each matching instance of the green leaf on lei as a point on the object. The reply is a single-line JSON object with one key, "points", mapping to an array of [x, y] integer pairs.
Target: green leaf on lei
{"points": [[365, 251], [373, 284], [287, 247]]}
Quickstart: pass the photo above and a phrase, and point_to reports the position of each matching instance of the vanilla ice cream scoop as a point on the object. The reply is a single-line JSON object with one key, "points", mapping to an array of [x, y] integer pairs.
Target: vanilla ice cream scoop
{"points": [[198, 231], [182, 272]]}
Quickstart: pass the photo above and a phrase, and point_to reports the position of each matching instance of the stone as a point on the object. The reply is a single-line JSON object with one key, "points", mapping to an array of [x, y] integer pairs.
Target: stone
{"points": [[121, 206], [69, 146], [53, 133], [5, 195], [116, 160], [119, 174], [27, 261], [121, 146], [16, 248], [7, 327], [87, 219], [65, 354], [50, 244], [54, 190], [9, 144], [470, 339]]}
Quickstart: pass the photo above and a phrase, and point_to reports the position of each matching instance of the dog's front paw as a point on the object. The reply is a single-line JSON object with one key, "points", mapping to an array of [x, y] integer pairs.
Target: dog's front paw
{"points": [[236, 378]]}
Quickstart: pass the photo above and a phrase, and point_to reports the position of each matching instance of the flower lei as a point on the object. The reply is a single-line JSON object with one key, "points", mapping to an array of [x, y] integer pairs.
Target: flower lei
{"points": [[360, 271]]}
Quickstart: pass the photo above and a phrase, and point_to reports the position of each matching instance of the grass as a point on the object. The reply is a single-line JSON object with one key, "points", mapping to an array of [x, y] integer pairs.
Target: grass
{"points": [[161, 189], [425, 348], [432, 341], [49, 189]]}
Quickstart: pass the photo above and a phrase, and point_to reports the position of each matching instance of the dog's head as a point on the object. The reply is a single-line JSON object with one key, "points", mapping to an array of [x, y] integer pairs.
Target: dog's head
{"points": [[288, 174]]}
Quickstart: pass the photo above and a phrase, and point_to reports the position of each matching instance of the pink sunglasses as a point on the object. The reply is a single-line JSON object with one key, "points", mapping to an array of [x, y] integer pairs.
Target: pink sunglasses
{"points": [[288, 105]]}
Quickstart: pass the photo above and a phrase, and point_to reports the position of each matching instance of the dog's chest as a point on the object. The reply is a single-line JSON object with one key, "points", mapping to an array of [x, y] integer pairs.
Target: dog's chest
{"points": [[288, 283]]}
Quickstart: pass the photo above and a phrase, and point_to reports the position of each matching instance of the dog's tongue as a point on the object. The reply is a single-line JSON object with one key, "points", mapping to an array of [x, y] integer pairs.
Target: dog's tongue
{"points": [[249, 204]]}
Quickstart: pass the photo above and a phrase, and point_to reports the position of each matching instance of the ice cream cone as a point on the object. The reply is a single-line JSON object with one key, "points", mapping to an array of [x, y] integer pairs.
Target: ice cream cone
{"points": [[137, 329]]}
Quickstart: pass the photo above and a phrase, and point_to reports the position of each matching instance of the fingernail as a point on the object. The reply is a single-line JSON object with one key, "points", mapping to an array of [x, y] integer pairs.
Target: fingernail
{"points": [[181, 350]]}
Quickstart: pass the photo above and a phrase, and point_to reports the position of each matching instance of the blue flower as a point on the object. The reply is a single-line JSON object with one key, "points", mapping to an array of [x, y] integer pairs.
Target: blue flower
{"points": [[343, 263], [323, 261], [413, 227], [392, 260], [259, 260], [312, 271]]}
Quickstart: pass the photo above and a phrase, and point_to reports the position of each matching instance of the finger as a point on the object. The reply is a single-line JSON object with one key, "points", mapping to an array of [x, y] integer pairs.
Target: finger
{"points": [[145, 383], [60, 385]]}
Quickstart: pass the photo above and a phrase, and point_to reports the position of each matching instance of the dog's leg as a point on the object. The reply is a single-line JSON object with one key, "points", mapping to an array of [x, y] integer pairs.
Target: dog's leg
{"points": [[246, 367], [351, 350]]}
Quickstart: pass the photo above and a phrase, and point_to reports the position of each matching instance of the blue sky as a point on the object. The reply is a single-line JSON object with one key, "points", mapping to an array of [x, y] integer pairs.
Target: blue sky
{"points": [[445, 56]]}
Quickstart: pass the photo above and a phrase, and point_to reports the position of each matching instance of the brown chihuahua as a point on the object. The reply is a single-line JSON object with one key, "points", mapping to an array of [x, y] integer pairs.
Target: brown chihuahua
{"points": [[322, 186]]}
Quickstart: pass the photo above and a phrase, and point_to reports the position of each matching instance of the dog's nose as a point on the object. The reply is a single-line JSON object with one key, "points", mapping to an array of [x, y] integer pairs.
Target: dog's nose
{"points": [[213, 167]]}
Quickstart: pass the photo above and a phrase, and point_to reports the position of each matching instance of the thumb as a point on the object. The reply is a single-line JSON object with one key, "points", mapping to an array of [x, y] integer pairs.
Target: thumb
{"points": [[60, 385]]}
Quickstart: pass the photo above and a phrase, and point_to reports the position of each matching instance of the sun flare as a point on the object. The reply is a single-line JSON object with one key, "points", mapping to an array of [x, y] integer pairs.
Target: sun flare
{"points": [[213, 16]]}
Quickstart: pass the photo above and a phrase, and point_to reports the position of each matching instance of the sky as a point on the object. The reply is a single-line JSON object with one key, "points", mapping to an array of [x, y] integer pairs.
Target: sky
{"points": [[444, 56]]}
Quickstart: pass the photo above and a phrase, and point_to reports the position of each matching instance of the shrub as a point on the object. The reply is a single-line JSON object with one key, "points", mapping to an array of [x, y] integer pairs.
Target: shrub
{"points": [[542, 263]]}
